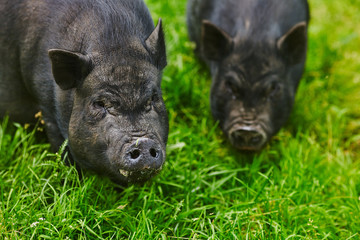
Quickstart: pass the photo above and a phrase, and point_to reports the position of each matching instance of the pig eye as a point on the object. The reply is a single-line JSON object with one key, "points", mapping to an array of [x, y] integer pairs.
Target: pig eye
{"points": [[98, 110], [99, 104], [148, 105], [155, 97], [274, 89], [99, 107], [230, 85], [153, 101]]}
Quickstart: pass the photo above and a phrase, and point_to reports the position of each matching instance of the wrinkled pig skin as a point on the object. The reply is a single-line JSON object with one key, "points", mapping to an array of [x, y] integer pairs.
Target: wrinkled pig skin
{"points": [[93, 68], [256, 52]]}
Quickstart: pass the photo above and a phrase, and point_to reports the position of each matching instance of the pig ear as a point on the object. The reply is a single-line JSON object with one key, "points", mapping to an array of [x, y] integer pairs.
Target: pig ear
{"points": [[155, 45], [216, 43], [293, 44], [68, 68]]}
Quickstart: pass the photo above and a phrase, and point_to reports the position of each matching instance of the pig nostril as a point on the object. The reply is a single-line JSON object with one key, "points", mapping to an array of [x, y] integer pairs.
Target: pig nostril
{"points": [[237, 137], [256, 139], [247, 138], [153, 153], [135, 154]]}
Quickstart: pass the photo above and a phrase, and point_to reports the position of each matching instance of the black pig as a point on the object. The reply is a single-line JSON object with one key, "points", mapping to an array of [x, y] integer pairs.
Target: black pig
{"points": [[256, 51], [93, 68]]}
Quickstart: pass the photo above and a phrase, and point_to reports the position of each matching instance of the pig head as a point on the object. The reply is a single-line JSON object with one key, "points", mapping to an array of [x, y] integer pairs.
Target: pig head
{"points": [[117, 122], [254, 81]]}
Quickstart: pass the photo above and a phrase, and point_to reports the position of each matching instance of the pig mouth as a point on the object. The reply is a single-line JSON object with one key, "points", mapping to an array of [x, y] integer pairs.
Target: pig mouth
{"points": [[139, 176], [246, 137]]}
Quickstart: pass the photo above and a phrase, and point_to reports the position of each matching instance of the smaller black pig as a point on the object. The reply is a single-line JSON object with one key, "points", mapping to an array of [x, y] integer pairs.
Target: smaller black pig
{"points": [[93, 68], [256, 51]]}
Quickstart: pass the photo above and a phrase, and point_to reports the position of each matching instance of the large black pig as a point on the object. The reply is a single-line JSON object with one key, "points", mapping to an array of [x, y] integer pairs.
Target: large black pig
{"points": [[93, 68], [256, 51]]}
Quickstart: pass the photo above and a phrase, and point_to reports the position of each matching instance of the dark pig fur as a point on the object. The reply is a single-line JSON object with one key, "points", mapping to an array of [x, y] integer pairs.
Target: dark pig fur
{"points": [[256, 51], [93, 68]]}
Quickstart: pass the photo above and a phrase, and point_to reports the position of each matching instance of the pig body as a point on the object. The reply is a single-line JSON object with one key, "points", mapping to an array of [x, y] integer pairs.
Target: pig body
{"points": [[256, 52], [93, 68]]}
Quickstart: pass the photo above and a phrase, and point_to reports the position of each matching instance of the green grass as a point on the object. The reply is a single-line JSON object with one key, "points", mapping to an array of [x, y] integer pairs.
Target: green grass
{"points": [[304, 185]]}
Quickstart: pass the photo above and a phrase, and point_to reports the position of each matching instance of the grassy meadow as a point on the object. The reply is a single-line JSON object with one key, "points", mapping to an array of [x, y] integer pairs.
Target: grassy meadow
{"points": [[305, 184]]}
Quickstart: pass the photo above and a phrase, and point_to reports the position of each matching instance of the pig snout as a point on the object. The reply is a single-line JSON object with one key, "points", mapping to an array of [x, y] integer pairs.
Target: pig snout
{"points": [[247, 138], [144, 154], [135, 160], [141, 160]]}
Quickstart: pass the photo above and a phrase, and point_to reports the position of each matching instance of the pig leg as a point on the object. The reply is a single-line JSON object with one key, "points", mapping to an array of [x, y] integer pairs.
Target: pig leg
{"points": [[53, 133], [15, 100]]}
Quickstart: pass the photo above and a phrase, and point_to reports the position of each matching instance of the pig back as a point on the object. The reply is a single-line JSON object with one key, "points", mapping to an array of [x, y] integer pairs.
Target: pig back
{"points": [[257, 19], [29, 28], [35, 26]]}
